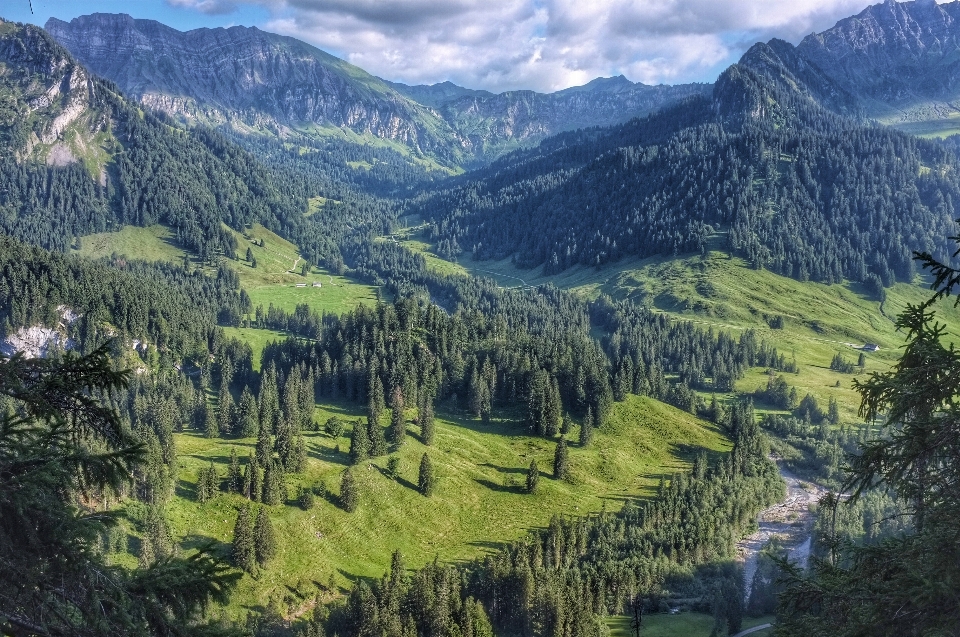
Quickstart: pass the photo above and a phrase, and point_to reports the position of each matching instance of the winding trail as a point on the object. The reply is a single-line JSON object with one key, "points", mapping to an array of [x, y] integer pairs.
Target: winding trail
{"points": [[790, 519]]}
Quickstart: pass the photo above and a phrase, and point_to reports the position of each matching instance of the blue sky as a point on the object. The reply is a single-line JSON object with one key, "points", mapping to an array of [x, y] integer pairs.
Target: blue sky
{"points": [[499, 45]]}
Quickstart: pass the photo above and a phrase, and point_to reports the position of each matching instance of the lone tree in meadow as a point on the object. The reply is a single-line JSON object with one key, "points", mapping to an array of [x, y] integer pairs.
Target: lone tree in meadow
{"points": [[243, 551], [425, 420], [264, 539], [349, 495], [427, 480], [533, 476]]}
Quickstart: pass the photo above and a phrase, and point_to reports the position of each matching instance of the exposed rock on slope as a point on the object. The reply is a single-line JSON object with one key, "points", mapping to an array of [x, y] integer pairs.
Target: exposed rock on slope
{"points": [[250, 76]]}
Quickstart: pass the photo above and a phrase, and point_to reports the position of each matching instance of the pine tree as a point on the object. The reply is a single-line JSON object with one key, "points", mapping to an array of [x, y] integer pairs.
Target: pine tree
{"points": [[378, 443], [224, 411], [425, 420], [561, 461], [533, 476], [833, 411], [398, 427], [349, 495], [247, 424], [264, 539], [586, 428], [264, 449], [375, 398], [210, 427], [359, 443], [566, 424], [243, 550], [234, 475], [273, 480], [426, 482], [269, 401]]}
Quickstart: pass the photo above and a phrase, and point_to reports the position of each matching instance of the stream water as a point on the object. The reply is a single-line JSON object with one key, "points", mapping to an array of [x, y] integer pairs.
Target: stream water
{"points": [[790, 519]]}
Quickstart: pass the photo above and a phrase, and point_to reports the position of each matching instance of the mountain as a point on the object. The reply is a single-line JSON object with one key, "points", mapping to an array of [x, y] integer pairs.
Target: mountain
{"points": [[898, 63], [776, 165], [495, 123], [249, 78], [262, 82], [76, 158]]}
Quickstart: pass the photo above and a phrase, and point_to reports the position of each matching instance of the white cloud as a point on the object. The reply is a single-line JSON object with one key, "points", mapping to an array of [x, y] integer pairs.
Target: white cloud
{"points": [[542, 44]]}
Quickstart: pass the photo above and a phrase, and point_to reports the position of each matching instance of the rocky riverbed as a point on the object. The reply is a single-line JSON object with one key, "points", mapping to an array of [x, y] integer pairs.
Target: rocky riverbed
{"points": [[791, 520]]}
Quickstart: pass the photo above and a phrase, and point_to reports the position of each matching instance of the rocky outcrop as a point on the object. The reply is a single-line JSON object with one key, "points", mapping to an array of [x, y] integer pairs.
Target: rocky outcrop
{"points": [[43, 79], [249, 75], [895, 62]]}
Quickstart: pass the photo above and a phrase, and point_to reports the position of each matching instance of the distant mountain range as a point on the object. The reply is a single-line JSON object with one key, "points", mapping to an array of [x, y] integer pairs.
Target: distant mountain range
{"points": [[262, 82]]}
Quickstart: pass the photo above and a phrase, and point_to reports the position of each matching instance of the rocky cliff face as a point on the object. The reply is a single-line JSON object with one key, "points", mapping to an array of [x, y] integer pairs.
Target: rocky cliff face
{"points": [[249, 76], [47, 101], [258, 79], [895, 62]]}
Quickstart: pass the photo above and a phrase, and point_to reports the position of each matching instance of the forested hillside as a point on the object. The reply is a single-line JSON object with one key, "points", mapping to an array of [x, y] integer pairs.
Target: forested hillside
{"points": [[766, 171]]}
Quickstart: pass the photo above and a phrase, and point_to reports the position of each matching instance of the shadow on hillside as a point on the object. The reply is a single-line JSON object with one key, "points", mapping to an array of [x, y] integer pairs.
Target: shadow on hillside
{"points": [[196, 541], [499, 488], [398, 479], [320, 452]]}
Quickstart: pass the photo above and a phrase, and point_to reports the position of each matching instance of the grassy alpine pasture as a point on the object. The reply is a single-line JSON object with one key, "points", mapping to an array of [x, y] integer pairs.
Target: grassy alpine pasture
{"points": [[274, 279], [720, 292], [680, 625], [479, 502]]}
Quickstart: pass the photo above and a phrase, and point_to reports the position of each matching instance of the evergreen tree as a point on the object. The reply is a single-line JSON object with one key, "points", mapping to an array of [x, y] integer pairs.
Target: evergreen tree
{"points": [[349, 493], [425, 420], [269, 401], [248, 415], [375, 398], [234, 474], [243, 549], [378, 443], [210, 426], [359, 443], [586, 428], [561, 461], [264, 448], [426, 480], [264, 539], [398, 426], [833, 411], [533, 476], [566, 425], [273, 480], [225, 414]]}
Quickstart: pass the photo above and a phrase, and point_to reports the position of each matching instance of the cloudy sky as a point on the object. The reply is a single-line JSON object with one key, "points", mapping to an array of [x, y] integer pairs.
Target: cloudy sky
{"points": [[499, 44]]}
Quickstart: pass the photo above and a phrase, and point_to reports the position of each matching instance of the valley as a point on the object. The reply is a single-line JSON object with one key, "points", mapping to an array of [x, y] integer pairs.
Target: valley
{"points": [[320, 353]]}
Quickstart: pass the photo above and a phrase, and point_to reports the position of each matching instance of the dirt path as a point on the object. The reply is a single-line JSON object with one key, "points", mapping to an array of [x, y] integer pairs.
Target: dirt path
{"points": [[790, 519]]}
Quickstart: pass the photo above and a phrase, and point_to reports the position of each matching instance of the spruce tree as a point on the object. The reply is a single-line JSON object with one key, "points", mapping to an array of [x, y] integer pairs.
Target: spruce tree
{"points": [[273, 480], [210, 427], [359, 443], [426, 481], [398, 427], [247, 423], [566, 424], [561, 461], [349, 495], [425, 420], [378, 443], [234, 475], [243, 550], [264, 539], [225, 411], [586, 428], [533, 476], [264, 448], [375, 400]]}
